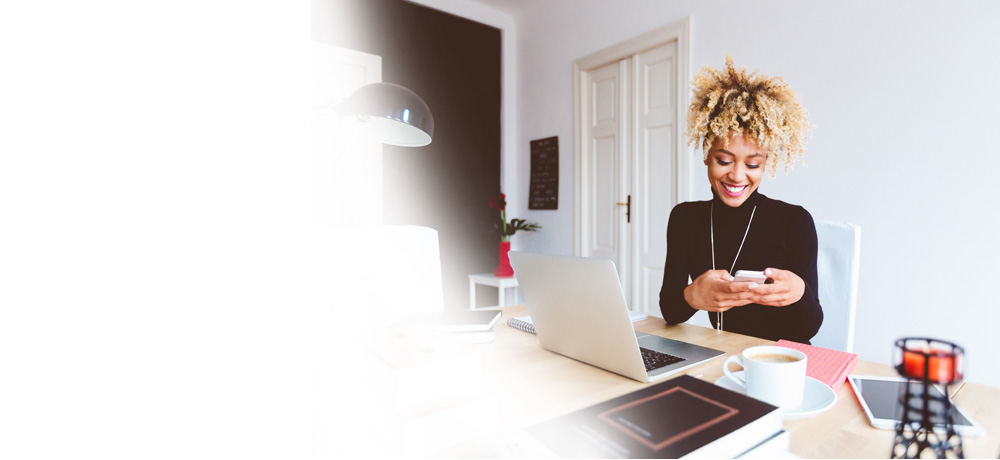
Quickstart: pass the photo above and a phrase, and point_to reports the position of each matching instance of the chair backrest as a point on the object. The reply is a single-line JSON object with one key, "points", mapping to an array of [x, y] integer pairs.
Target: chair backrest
{"points": [[837, 265], [401, 270]]}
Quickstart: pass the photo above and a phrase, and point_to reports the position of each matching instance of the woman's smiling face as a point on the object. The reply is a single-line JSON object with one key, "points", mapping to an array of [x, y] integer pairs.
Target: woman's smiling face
{"points": [[735, 171]]}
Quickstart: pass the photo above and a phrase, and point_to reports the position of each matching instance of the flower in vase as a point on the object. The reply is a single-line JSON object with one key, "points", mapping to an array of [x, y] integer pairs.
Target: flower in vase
{"points": [[508, 229]]}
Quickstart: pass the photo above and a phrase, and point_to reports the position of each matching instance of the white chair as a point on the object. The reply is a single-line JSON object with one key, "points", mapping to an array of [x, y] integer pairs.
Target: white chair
{"points": [[388, 271], [407, 260], [837, 265]]}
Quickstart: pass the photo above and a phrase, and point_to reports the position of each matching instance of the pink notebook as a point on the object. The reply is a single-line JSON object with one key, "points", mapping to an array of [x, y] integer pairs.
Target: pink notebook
{"points": [[828, 366]]}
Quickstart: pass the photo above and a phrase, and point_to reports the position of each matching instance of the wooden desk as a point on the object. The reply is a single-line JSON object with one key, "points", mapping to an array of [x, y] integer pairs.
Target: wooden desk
{"points": [[533, 385]]}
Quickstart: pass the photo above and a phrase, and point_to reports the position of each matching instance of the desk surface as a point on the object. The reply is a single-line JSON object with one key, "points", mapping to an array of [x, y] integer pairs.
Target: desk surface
{"points": [[534, 385]]}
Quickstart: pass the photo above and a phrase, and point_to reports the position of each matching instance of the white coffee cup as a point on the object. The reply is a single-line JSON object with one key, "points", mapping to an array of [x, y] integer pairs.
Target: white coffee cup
{"points": [[775, 375]]}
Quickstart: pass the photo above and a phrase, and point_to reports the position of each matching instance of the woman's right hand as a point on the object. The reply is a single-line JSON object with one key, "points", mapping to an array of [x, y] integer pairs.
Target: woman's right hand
{"points": [[715, 291]]}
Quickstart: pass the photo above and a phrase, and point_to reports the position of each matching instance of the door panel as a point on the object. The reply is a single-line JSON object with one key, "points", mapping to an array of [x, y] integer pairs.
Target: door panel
{"points": [[605, 236], [344, 167], [655, 192], [603, 134], [631, 99], [655, 159]]}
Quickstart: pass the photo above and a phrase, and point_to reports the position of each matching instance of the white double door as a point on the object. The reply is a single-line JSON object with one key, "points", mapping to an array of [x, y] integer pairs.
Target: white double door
{"points": [[630, 136], [344, 167]]}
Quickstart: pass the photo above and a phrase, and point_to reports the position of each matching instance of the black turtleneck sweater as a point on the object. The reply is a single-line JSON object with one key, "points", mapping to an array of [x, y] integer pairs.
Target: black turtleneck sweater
{"points": [[781, 236]]}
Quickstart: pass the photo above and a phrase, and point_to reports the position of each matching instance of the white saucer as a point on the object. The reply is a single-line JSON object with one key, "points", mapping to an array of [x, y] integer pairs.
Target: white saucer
{"points": [[816, 399]]}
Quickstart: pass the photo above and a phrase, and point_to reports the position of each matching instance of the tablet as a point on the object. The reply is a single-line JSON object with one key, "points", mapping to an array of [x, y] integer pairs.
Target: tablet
{"points": [[879, 397]]}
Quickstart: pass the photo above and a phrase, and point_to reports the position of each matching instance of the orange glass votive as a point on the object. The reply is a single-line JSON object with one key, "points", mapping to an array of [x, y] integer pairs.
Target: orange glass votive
{"points": [[941, 367]]}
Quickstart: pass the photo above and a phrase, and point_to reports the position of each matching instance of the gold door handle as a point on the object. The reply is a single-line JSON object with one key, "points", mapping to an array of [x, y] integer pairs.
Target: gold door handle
{"points": [[628, 209]]}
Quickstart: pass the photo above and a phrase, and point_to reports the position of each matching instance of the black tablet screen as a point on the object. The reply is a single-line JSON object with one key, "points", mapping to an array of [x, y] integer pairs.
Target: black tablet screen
{"points": [[883, 396]]}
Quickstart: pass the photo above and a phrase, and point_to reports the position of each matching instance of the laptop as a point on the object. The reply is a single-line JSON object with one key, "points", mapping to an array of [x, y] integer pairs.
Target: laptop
{"points": [[578, 308]]}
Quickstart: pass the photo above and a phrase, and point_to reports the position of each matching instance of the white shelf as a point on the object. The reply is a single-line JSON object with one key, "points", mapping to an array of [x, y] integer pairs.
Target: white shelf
{"points": [[488, 279]]}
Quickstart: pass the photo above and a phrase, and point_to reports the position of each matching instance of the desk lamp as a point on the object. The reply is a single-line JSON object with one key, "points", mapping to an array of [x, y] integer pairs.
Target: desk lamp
{"points": [[388, 113], [405, 255]]}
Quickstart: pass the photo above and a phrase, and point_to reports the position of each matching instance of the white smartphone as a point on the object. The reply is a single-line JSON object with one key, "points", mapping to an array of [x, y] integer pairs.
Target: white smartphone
{"points": [[879, 397], [743, 276]]}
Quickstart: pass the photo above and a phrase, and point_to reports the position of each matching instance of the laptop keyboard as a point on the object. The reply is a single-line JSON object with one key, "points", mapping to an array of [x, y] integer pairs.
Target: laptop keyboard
{"points": [[655, 360]]}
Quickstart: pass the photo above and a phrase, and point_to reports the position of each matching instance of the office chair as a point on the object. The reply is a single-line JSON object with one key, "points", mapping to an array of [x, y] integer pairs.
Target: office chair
{"points": [[407, 265], [838, 263]]}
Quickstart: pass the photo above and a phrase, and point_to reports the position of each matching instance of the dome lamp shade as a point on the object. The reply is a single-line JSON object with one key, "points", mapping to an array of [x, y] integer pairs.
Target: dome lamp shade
{"points": [[389, 113]]}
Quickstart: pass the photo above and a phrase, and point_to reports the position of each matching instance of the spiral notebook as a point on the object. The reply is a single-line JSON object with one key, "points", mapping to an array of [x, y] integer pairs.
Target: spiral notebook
{"points": [[523, 323]]}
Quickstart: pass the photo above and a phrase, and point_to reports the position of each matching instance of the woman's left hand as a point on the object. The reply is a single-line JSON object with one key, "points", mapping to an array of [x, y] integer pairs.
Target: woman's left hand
{"points": [[786, 289]]}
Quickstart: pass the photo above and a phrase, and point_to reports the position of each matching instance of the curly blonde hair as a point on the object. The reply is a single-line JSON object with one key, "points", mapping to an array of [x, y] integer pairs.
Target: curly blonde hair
{"points": [[760, 108]]}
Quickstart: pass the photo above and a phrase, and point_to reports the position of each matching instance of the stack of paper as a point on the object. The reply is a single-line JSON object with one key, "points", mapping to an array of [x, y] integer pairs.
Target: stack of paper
{"points": [[828, 366], [428, 393], [470, 326]]}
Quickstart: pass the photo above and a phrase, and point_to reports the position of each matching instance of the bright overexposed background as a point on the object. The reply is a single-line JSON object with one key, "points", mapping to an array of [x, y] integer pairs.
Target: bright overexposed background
{"points": [[154, 220]]}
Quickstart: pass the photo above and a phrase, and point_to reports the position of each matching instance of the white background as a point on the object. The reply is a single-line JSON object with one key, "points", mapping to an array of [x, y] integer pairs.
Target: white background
{"points": [[904, 96], [154, 214]]}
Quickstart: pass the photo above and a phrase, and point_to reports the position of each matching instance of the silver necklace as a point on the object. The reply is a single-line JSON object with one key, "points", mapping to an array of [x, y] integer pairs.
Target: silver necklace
{"points": [[711, 223]]}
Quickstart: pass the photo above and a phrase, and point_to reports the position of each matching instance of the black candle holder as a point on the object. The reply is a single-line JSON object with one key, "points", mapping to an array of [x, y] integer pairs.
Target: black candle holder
{"points": [[927, 418]]}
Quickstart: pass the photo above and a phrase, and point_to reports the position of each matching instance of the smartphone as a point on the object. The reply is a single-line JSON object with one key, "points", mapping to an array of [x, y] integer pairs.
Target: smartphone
{"points": [[880, 397], [743, 276]]}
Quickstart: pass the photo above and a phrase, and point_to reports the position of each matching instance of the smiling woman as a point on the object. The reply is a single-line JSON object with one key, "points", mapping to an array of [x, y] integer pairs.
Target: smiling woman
{"points": [[764, 109], [734, 170], [744, 123]]}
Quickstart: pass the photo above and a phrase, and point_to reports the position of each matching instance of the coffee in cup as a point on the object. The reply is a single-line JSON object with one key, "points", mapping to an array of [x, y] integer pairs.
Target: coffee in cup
{"points": [[774, 358], [775, 375]]}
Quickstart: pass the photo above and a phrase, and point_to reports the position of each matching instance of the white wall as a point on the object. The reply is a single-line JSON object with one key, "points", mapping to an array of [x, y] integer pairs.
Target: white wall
{"points": [[904, 98]]}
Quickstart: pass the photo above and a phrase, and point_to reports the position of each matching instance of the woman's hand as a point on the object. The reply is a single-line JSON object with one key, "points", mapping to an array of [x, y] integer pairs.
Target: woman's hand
{"points": [[786, 289], [715, 291]]}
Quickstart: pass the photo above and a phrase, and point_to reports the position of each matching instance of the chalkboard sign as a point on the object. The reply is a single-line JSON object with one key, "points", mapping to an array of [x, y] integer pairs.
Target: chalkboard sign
{"points": [[544, 191]]}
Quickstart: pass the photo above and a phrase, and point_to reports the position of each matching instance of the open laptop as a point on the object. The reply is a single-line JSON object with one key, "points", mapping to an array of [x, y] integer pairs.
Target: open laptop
{"points": [[578, 309]]}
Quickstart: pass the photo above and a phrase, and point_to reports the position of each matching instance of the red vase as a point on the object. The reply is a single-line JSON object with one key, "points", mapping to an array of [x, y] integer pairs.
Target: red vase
{"points": [[504, 268]]}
